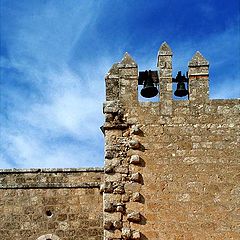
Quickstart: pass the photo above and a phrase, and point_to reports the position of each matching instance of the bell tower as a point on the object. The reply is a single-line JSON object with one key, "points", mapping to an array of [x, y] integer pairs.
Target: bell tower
{"points": [[171, 167]]}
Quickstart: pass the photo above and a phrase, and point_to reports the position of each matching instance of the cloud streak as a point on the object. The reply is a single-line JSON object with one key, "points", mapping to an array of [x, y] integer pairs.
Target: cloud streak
{"points": [[54, 56]]}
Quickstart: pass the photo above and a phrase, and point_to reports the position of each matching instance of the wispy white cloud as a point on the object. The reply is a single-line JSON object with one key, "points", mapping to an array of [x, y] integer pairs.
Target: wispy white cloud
{"points": [[54, 119], [66, 103]]}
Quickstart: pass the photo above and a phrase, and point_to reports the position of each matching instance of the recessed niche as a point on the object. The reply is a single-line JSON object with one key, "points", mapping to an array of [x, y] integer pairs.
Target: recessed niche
{"points": [[49, 214]]}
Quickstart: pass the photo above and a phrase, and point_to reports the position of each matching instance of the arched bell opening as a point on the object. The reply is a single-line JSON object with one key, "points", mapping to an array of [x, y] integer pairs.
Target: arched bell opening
{"points": [[148, 86], [180, 87]]}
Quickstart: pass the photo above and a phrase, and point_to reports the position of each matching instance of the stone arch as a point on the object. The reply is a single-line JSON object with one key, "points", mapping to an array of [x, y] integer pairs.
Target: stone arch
{"points": [[48, 237]]}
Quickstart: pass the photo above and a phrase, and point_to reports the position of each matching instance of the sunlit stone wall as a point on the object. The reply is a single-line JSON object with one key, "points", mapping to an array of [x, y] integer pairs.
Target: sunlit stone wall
{"points": [[171, 167], [56, 204]]}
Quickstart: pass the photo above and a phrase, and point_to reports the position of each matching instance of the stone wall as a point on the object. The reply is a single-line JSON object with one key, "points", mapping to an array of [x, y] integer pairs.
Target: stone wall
{"points": [[171, 167], [56, 204]]}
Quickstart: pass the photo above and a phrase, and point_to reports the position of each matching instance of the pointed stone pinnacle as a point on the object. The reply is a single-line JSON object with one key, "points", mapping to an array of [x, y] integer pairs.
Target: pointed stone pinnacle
{"points": [[128, 60], [113, 69], [198, 60], [165, 49]]}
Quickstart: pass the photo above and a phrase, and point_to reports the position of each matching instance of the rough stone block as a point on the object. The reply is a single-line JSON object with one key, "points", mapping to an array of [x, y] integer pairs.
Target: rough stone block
{"points": [[134, 217], [135, 159]]}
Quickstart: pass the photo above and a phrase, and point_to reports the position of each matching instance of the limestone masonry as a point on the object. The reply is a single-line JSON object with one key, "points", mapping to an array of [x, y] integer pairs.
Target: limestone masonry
{"points": [[171, 169]]}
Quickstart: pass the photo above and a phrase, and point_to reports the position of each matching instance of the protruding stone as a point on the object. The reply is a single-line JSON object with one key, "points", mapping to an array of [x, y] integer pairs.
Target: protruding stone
{"points": [[117, 224], [106, 187], [125, 198], [128, 60], [108, 169], [109, 154], [120, 207], [119, 189], [135, 159], [136, 197], [165, 50], [135, 130], [134, 144], [108, 207], [126, 133], [134, 217], [109, 117], [126, 233], [136, 235], [136, 177], [111, 107], [108, 225], [198, 60]]}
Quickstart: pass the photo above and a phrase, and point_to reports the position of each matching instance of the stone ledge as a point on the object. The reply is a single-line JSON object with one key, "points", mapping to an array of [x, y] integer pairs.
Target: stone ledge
{"points": [[50, 170], [50, 185]]}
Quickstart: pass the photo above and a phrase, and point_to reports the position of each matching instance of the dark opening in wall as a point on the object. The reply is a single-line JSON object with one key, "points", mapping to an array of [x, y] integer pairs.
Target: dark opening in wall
{"points": [[49, 213]]}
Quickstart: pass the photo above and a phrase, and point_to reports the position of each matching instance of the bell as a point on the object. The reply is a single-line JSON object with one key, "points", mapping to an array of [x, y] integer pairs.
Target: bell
{"points": [[149, 90], [181, 90]]}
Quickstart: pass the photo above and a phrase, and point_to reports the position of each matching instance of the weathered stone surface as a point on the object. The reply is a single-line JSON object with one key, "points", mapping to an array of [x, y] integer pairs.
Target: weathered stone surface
{"points": [[117, 224], [198, 60], [108, 225], [126, 233], [128, 61], [136, 197], [120, 207], [108, 207], [165, 50], [135, 130], [134, 144], [136, 177], [134, 217], [31, 209], [135, 159], [136, 235]]}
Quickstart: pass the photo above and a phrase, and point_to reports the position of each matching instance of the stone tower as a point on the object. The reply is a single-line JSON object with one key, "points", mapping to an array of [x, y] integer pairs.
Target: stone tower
{"points": [[171, 172], [171, 167]]}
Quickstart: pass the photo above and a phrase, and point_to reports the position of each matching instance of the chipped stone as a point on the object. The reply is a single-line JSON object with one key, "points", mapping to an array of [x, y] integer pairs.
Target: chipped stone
{"points": [[136, 197], [126, 233], [134, 217], [117, 224], [108, 225], [136, 177], [198, 60], [108, 207], [135, 159], [134, 144], [135, 129], [136, 235]]}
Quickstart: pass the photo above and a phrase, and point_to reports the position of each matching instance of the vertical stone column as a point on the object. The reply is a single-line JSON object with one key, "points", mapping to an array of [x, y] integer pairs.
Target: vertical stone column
{"points": [[198, 72], [121, 91], [128, 80], [164, 64]]}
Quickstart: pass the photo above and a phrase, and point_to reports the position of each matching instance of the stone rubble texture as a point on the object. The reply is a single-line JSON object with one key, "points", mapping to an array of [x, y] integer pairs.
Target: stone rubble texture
{"points": [[171, 169]]}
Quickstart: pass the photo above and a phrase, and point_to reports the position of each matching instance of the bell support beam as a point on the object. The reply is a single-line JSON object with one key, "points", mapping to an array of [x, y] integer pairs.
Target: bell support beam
{"points": [[198, 73]]}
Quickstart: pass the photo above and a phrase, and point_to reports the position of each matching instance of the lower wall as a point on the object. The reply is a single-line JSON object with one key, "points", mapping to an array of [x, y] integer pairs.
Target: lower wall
{"points": [[51, 204]]}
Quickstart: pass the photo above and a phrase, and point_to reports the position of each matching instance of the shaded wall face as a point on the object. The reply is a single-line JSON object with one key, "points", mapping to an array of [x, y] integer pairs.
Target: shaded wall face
{"points": [[73, 210]]}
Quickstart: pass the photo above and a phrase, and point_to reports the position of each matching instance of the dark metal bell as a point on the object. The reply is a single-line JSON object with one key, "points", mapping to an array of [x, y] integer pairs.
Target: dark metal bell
{"points": [[149, 90], [181, 90]]}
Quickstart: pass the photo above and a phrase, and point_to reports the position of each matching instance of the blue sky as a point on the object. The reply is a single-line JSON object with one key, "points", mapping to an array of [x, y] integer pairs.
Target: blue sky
{"points": [[55, 54]]}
